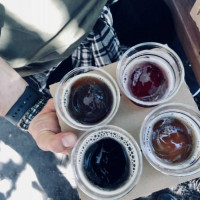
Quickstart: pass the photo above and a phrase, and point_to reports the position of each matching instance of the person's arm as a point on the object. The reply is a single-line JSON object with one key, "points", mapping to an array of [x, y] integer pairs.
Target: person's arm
{"points": [[44, 127], [12, 87]]}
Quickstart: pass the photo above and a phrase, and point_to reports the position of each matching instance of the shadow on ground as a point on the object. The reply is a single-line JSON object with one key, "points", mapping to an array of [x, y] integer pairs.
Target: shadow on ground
{"points": [[44, 164]]}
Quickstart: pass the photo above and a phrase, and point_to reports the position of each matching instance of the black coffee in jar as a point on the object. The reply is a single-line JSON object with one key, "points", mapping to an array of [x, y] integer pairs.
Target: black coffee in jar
{"points": [[90, 100], [106, 164]]}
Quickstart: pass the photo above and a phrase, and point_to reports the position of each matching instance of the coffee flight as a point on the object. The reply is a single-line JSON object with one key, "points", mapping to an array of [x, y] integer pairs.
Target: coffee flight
{"points": [[106, 160]]}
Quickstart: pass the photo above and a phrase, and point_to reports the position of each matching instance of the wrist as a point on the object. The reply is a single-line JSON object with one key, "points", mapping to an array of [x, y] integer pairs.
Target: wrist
{"points": [[15, 91], [25, 102], [12, 87], [32, 112]]}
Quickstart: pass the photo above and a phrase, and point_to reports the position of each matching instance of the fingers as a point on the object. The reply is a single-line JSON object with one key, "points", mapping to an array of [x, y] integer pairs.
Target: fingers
{"points": [[57, 143], [44, 122], [46, 131], [49, 107]]}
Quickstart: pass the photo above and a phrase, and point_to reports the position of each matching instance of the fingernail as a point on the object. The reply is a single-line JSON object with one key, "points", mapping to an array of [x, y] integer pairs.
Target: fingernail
{"points": [[69, 140]]}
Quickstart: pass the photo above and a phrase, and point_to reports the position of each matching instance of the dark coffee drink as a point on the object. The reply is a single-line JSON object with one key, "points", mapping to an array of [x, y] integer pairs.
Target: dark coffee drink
{"points": [[90, 100], [172, 140], [106, 164], [87, 97], [148, 82]]}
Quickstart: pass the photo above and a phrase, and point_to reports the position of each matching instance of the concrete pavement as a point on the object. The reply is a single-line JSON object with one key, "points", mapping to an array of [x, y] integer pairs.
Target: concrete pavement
{"points": [[27, 173]]}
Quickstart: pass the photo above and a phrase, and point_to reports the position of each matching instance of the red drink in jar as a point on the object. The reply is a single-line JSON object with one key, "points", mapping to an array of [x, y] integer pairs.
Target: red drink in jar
{"points": [[150, 74], [148, 82]]}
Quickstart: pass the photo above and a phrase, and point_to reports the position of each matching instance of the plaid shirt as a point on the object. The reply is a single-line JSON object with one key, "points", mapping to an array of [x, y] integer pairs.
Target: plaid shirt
{"points": [[101, 47]]}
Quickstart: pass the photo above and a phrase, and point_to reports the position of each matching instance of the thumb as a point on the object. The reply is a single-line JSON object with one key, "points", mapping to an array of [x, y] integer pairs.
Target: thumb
{"points": [[57, 143]]}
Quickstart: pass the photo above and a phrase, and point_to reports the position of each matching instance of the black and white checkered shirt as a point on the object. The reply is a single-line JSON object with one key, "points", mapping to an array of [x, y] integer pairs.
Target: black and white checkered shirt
{"points": [[101, 47]]}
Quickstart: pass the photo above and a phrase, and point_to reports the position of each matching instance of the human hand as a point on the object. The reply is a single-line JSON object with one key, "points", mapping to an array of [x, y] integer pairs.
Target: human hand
{"points": [[46, 131]]}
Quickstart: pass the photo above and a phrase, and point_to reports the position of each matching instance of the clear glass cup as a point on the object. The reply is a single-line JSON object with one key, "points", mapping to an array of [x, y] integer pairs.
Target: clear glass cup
{"points": [[175, 143], [150, 74], [132, 151], [67, 90]]}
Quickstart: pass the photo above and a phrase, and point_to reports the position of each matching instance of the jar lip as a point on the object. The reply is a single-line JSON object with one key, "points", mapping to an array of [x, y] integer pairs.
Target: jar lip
{"points": [[109, 195], [108, 77], [154, 45], [168, 105], [186, 169]]}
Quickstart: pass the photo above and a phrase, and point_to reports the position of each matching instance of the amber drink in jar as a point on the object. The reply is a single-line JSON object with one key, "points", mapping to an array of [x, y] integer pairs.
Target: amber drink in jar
{"points": [[170, 139]]}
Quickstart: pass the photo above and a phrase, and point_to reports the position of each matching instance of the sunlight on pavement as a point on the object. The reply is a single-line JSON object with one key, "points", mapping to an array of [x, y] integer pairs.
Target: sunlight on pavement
{"points": [[7, 154], [66, 169]]}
